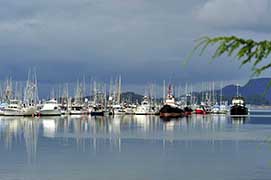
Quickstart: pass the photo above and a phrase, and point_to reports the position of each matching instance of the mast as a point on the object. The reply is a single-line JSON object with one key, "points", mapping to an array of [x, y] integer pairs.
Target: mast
{"points": [[119, 91], [213, 90], [52, 95], [31, 89], [8, 90], [237, 90], [105, 100], [186, 94], [164, 91], [94, 92], [221, 89], [65, 96]]}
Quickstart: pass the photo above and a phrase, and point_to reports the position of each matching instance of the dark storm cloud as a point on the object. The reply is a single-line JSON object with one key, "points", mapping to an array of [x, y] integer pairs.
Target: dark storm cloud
{"points": [[143, 40]]}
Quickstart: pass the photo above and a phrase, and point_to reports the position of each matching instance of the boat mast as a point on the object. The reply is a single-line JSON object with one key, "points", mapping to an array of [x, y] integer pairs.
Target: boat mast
{"points": [[105, 99], [164, 91], [119, 91], [31, 92], [186, 94], [213, 90], [221, 88], [94, 92], [237, 90]]}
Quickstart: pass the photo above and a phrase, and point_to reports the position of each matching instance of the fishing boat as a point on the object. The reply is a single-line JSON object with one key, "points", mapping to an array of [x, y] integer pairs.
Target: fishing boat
{"points": [[170, 109], [215, 109], [188, 101], [29, 110], [118, 109], [144, 108], [97, 113], [78, 109], [130, 109], [30, 94], [2, 107], [14, 108], [223, 108], [64, 109], [188, 110], [200, 110], [97, 110], [78, 106], [203, 108], [238, 105], [50, 108], [223, 105]]}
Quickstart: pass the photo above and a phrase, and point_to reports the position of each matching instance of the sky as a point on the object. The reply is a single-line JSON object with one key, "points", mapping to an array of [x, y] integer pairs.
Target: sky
{"points": [[144, 41]]}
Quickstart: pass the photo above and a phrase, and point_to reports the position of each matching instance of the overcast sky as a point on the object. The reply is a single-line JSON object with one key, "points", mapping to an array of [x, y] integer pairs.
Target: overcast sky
{"points": [[142, 40]]}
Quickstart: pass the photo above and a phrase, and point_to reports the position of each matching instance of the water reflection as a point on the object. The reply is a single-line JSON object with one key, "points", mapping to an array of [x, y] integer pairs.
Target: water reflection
{"points": [[239, 119], [16, 130], [83, 147], [94, 133], [31, 131]]}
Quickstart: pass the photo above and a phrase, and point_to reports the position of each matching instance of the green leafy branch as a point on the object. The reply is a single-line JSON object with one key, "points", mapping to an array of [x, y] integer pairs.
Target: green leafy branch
{"points": [[247, 51]]}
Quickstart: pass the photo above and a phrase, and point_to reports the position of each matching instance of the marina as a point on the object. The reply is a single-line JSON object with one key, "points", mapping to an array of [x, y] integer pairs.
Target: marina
{"points": [[103, 101], [135, 90]]}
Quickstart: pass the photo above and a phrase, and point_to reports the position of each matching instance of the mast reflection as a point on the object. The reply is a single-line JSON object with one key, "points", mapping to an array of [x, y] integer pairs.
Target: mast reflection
{"points": [[99, 133]]}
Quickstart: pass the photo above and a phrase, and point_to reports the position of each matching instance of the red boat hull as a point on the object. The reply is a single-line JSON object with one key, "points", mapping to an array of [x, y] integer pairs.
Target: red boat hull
{"points": [[200, 111]]}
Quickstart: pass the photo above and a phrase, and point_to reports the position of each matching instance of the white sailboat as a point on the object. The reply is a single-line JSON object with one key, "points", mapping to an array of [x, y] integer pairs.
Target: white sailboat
{"points": [[30, 95], [78, 106], [223, 107], [115, 98]]}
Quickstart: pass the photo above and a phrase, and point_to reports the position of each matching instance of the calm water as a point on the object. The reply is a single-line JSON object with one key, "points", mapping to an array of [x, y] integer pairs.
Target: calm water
{"points": [[209, 147]]}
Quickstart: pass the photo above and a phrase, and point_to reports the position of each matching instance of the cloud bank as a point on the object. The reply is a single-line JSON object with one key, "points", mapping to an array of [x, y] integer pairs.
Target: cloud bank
{"points": [[241, 14], [143, 40]]}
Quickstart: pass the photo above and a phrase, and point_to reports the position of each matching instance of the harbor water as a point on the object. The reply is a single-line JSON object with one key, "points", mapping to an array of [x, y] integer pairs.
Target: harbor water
{"points": [[200, 147]]}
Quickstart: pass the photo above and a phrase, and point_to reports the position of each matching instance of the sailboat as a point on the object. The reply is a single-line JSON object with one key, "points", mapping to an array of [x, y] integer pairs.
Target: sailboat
{"points": [[117, 106], [14, 106], [77, 107], [65, 100], [98, 106], [223, 105], [30, 95]]}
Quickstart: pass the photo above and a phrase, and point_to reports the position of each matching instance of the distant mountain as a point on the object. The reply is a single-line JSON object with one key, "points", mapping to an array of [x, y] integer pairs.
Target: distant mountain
{"points": [[256, 91], [131, 97]]}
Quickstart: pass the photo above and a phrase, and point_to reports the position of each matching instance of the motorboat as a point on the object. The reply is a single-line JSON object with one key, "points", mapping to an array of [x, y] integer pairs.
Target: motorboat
{"points": [[50, 108]]}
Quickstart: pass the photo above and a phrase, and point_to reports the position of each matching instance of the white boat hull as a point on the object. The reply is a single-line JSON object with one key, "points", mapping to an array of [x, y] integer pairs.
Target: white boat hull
{"points": [[50, 112], [30, 111], [141, 110], [13, 112], [74, 112], [1, 112]]}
